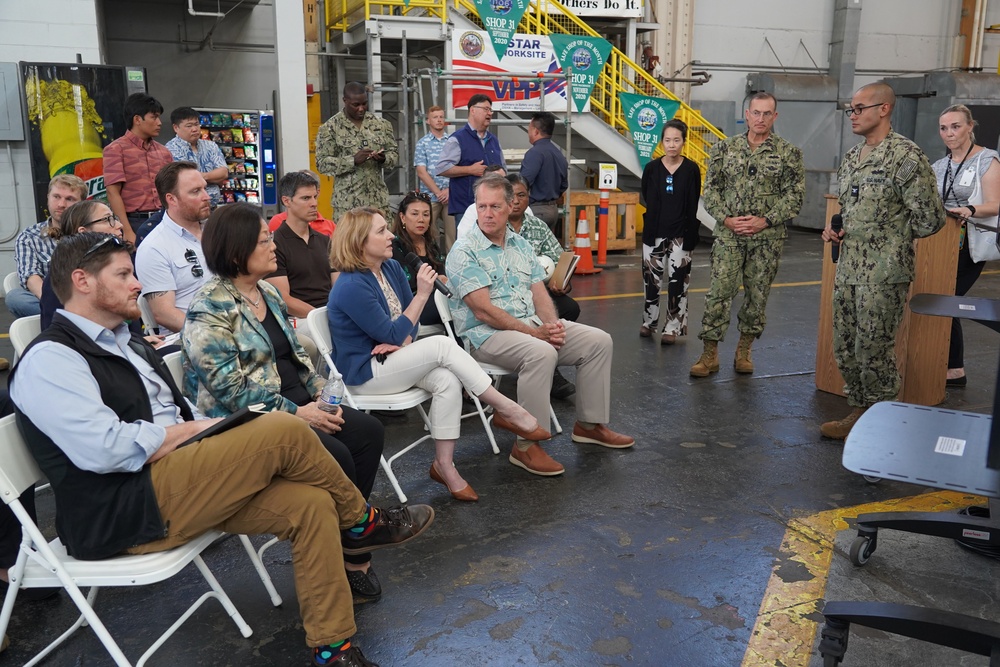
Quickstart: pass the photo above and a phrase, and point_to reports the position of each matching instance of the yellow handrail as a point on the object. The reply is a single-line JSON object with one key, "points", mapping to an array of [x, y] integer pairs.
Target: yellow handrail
{"points": [[620, 74], [342, 14]]}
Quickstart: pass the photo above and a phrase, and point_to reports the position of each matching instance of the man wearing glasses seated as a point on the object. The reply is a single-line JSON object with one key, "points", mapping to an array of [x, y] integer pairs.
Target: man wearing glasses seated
{"points": [[169, 262], [467, 154]]}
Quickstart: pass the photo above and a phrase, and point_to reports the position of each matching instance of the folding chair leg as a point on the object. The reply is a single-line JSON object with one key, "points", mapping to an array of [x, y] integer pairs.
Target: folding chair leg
{"points": [[392, 480], [87, 617], [256, 557], [487, 424]]}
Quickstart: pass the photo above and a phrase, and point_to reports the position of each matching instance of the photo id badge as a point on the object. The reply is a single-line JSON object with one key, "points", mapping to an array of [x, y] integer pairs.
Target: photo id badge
{"points": [[968, 176]]}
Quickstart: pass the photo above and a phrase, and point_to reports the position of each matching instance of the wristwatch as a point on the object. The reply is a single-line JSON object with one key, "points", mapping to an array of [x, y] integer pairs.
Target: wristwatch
{"points": [[767, 223], [972, 210]]}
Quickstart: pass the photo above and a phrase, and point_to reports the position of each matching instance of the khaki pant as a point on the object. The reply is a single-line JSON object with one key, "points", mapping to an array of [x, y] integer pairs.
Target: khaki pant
{"points": [[439, 211], [535, 361], [271, 476]]}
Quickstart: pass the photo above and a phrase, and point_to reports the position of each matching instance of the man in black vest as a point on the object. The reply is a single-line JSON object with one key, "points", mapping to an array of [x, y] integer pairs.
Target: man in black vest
{"points": [[122, 484]]}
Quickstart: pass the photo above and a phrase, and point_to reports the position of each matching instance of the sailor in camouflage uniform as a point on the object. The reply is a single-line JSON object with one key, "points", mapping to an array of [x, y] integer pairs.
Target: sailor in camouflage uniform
{"points": [[755, 183], [888, 198], [356, 147]]}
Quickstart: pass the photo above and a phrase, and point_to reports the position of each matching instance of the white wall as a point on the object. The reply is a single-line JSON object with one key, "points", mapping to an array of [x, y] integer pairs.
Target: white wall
{"points": [[896, 36], [64, 29]]}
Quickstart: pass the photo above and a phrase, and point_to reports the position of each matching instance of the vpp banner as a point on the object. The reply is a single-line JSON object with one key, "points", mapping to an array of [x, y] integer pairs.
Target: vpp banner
{"points": [[646, 116], [587, 56]]}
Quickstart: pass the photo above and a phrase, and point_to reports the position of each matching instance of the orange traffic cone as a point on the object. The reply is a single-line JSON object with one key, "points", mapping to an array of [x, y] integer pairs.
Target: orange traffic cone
{"points": [[581, 247]]}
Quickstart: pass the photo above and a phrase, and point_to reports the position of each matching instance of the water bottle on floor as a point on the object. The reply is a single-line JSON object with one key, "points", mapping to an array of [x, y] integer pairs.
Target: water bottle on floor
{"points": [[333, 393]]}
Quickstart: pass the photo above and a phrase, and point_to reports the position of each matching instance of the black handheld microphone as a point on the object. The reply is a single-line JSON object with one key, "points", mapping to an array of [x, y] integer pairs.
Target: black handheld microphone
{"points": [[415, 263], [836, 225]]}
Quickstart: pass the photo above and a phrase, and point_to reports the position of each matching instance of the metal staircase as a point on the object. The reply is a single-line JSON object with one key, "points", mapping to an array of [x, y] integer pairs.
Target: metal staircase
{"points": [[606, 127]]}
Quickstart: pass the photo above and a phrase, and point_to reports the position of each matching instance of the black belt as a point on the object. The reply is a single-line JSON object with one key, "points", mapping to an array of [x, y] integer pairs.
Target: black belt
{"points": [[143, 214], [545, 201]]}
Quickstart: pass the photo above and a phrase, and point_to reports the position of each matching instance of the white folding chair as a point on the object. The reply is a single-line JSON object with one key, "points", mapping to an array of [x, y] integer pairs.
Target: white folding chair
{"points": [[149, 324], [404, 400], [22, 331], [494, 371], [10, 282], [175, 366], [42, 564]]}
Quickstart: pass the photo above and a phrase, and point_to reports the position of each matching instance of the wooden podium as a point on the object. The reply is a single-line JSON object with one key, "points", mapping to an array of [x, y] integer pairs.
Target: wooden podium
{"points": [[922, 341]]}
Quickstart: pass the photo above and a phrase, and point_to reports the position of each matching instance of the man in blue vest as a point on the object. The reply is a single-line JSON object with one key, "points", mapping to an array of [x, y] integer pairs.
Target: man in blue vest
{"points": [[468, 153]]}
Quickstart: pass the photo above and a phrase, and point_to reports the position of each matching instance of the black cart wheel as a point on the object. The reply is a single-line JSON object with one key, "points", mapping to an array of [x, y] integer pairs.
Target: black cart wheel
{"points": [[872, 480], [861, 550]]}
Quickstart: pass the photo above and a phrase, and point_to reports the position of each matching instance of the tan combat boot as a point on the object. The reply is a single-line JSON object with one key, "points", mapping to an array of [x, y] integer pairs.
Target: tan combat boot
{"points": [[708, 362], [743, 363], [840, 429]]}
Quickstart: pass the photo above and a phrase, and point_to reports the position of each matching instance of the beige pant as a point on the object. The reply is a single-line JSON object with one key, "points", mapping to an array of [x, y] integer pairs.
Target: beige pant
{"points": [[439, 211], [271, 476], [535, 361]]}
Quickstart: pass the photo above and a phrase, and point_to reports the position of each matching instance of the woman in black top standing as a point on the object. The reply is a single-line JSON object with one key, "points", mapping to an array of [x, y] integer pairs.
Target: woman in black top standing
{"points": [[670, 190]]}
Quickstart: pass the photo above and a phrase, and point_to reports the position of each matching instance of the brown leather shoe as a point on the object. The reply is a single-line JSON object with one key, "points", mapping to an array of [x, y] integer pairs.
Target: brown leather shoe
{"points": [[393, 527], [536, 461], [467, 494], [538, 433], [668, 339], [601, 435], [645, 332]]}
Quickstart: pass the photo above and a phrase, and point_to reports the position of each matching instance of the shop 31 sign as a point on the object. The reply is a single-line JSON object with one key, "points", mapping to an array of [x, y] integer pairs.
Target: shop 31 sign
{"points": [[612, 8], [646, 117], [500, 18]]}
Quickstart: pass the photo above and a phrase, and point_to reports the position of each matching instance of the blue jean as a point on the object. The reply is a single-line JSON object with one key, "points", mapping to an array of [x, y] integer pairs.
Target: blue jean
{"points": [[22, 303]]}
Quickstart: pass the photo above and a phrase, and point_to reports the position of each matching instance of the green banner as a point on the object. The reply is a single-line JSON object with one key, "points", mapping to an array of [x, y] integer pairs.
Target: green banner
{"points": [[646, 116], [586, 55], [500, 18]]}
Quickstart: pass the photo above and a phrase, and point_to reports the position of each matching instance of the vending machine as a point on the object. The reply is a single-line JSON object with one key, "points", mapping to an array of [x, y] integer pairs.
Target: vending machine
{"points": [[248, 143]]}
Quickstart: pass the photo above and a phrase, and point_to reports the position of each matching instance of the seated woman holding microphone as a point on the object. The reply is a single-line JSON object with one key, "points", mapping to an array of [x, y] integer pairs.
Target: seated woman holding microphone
{"points": [[373, 322], [414, 234], [239, 350]]}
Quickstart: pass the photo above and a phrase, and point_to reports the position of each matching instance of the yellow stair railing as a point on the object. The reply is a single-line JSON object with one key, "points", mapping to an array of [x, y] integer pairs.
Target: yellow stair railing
{"points": [[342, 14], [620, 74]]}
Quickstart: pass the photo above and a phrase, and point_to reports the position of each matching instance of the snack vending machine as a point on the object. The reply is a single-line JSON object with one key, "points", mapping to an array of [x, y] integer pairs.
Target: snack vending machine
{"points": [[248, 143]]}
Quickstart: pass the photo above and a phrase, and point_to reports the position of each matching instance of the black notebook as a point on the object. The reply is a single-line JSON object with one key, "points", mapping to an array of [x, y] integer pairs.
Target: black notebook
{"points": [[238, 418]]}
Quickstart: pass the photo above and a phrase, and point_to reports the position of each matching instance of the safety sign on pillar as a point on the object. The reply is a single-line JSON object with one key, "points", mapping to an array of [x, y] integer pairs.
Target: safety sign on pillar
{"points": [[608, 181]]}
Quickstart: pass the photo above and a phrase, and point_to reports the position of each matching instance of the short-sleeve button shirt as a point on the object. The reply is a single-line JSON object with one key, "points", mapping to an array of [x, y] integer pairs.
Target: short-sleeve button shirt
{"points": [[475, 262], [208, 157]]}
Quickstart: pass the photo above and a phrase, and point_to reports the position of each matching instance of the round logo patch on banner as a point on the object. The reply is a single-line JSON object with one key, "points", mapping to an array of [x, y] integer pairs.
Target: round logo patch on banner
{"points": [[647, 117], [472, 44], [582, 60], [501, 7]]}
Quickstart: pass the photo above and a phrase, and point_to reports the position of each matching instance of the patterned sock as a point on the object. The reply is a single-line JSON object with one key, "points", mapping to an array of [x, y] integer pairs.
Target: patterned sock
{"points": [[327, 655], [367, 523]]}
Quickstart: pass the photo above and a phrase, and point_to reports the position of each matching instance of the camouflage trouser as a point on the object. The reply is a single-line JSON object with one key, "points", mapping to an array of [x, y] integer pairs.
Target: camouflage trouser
{"points": [[865, 321], [754, 264], [678, 264]]}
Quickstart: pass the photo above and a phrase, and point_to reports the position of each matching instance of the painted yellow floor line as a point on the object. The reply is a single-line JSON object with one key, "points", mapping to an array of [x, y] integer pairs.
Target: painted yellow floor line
{"points": [[700, 290], [786, 623]]}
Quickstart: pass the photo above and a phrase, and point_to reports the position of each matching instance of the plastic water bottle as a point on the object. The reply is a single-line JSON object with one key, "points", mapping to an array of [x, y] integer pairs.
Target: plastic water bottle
{"points": [[333, 393]]}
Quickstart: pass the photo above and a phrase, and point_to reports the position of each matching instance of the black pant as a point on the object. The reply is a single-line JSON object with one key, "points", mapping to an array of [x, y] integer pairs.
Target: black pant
{"points": [[968, 274], [566, 307], [357, 447], [10, 527]]}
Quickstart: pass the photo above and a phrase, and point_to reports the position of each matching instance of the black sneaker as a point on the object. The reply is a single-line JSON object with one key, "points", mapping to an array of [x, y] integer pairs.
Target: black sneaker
{"points": [[561, 387], [353, 657], [365, 586], [392, 527]]}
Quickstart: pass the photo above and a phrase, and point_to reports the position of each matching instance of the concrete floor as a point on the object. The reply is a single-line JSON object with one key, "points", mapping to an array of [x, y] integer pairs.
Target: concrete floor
{"points": [[659, 555]]}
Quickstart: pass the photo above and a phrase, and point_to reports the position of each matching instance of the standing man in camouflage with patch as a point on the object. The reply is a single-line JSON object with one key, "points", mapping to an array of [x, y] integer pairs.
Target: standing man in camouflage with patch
{"points": [[888, 197], [755, 183], [356, 148]]}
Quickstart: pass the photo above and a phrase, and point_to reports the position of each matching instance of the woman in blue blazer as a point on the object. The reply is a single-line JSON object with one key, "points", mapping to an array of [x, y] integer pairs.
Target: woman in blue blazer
{"points": [[373, 323]]}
